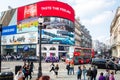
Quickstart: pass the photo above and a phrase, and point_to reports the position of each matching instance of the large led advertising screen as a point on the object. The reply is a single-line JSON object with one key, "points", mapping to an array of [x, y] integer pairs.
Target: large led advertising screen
{"points": [[58, 25], [46, 8], [26, 38]]}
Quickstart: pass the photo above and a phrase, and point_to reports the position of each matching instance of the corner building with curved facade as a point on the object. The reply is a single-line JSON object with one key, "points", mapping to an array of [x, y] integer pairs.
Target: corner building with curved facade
{"points": [[20, 33]]}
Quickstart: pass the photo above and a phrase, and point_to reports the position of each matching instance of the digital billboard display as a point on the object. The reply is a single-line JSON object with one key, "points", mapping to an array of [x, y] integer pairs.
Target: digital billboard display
{"points": [[58, 25], [26, 38], [46, 8], [9, 30]]}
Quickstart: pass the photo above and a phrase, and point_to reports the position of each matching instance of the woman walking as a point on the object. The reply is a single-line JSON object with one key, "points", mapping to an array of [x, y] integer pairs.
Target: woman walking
{"points": [[84, 72], [111, 77], [52, 67]]}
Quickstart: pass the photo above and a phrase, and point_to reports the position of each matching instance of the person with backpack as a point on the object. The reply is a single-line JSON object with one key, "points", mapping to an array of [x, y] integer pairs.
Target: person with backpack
{"points": [[79, 73]]}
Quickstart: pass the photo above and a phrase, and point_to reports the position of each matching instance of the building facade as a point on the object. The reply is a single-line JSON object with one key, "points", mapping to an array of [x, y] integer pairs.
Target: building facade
{"points": [[20, 33], [77, 33], [86, 39], [115, 34]]}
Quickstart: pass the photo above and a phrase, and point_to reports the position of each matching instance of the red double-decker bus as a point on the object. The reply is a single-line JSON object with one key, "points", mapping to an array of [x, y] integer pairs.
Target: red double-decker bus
{"points": [[79, 55]]}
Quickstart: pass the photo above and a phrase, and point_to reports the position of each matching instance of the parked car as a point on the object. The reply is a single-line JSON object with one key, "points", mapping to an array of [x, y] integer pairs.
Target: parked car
{"points": [[52, 59], [104, 63]]}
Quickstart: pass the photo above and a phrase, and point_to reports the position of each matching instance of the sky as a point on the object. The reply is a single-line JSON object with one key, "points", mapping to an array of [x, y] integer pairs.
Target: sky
{"points": [[95, 15]]}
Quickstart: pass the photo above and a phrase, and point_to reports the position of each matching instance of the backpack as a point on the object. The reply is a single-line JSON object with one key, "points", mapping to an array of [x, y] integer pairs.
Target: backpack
{"points": [[68, 67], [79, 72]]}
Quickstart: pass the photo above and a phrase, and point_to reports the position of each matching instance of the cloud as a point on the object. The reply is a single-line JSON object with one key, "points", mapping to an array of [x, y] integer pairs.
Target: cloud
{"points": [[102, 38], [85, 8], [98, 19]]}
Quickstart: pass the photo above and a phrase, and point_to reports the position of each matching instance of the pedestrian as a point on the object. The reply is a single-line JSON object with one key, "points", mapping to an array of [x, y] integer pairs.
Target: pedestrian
{"points": [[72, 68], [111, 77], [79, 73], [94, 73], [31, 69], [52, 67], [26, 70], [19, 75], [89, 73], [115, 66], [119, 61], [84, 72], [107, 74], [101, 77], [107, 64], [44, 78], [56, 70], [68, 68]]}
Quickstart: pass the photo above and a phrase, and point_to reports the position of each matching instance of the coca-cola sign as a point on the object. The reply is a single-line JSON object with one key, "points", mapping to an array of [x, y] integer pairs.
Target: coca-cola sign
{"points": [[46, 8]]}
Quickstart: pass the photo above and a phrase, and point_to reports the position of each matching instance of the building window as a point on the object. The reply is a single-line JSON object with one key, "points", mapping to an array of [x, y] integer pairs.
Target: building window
{"points": [[52, 48], [44, 48]]}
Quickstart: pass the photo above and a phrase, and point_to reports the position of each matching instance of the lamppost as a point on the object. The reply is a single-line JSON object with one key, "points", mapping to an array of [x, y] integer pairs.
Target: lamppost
{"points": [[0, 45], [40, 25]]}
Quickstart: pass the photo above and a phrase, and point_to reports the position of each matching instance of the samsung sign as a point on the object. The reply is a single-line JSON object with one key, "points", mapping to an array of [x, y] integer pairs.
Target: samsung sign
{"points": [[8, 30]]}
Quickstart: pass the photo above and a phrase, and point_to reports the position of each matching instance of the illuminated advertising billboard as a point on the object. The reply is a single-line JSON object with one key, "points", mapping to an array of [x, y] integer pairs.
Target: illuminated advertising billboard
{"points": [[46, 8], [57, 36], [28, 25], [9, 30], [58, 25], [26, 38]]}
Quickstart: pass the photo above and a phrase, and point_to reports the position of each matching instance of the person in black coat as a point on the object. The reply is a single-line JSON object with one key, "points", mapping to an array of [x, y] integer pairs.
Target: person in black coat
{"points": [[89, 73], [94, 73], [68, 68]]}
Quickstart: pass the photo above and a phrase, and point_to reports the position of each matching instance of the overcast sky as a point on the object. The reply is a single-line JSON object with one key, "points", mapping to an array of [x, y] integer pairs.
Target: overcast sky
{"points": [[96, 15]]}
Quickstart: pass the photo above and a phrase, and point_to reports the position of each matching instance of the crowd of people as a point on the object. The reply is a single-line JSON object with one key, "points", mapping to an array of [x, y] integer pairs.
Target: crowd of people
{"points": [[25, 71], [90, 73], [82, 73]]}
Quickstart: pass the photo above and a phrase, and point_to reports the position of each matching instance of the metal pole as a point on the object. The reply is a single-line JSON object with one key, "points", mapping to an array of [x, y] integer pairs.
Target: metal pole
{"points": [[0, 45], [40, 68]]}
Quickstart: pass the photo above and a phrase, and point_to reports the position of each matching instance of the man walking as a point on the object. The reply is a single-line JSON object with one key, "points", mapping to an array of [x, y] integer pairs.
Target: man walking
{"points": [[68, 68], [94, 73]]}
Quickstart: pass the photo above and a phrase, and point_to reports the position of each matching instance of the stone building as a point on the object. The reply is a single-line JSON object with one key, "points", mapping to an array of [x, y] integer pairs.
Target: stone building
{"points": [[115, 34]]}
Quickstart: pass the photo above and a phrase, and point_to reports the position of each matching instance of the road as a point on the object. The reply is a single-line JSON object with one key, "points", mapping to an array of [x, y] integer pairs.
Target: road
{"points": [[62, 75]]}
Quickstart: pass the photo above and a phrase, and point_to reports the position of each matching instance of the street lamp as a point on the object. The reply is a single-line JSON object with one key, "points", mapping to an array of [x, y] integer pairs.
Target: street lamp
{"points": [[40, 25], [0, 45]]}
